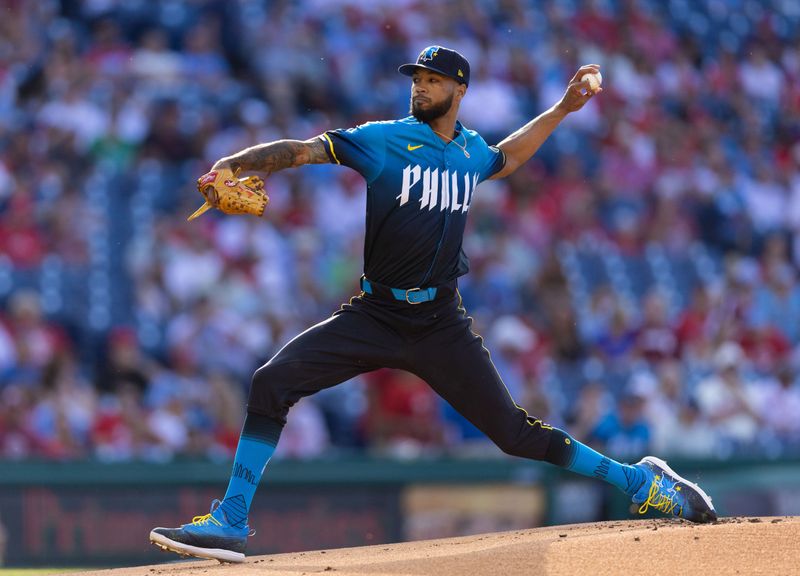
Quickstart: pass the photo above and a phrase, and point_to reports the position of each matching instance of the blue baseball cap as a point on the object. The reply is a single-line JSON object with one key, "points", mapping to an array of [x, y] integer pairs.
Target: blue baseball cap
{"points": [[442, 60]]}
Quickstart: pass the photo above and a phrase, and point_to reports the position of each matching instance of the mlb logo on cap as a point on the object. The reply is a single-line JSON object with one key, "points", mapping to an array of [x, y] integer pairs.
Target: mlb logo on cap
{"points": [[442, 60]]}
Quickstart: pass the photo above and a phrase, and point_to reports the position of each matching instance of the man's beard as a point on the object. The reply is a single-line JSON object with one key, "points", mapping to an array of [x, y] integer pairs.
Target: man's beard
{"points": [[430, 114]]}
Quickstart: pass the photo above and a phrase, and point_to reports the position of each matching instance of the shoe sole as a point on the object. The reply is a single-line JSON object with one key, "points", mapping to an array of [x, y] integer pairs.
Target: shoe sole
{"points": [[663, 465], [184, 549]]}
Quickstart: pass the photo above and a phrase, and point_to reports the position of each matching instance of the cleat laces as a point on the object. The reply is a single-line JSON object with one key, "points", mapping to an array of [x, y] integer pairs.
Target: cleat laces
{"points": [[204, 520], [207, 519], [662, 497]]}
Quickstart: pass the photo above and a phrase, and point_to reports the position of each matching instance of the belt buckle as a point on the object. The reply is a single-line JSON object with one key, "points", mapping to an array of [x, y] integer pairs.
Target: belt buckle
{"points": [[412, 290]]}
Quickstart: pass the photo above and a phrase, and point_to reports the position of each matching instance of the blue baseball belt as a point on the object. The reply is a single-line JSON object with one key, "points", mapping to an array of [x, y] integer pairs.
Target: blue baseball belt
{"points": [[410, 295]]}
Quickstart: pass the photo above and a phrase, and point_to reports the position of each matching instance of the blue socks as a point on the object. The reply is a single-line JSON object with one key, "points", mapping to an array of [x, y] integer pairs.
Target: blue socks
{"points": [[260, 436], [589, 462], [256, 445], [577, 457]]}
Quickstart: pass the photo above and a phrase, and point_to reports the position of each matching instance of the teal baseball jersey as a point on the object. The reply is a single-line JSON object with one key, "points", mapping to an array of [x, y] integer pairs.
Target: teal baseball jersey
{"points": [[419, 190]]}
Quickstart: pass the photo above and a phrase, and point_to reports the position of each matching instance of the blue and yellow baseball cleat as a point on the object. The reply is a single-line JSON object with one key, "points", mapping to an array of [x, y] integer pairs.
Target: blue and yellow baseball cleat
{"points": [[209, 536], [667, 492]]}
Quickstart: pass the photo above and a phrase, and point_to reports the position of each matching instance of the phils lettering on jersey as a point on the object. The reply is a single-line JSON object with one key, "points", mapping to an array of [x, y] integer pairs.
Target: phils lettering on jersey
{"points": [[445, 189]]}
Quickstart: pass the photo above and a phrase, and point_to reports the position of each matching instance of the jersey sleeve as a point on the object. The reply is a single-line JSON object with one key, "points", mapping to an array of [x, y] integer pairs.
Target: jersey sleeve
{"points": [[495, 160], [362, 148]]}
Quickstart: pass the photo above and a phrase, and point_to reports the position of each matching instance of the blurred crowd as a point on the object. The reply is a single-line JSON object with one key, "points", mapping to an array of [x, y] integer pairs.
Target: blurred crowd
{"points": [[109, 111]]}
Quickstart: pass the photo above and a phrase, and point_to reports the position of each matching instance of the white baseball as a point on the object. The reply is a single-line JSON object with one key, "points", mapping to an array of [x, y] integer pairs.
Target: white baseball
{"points": [[594, 80]]}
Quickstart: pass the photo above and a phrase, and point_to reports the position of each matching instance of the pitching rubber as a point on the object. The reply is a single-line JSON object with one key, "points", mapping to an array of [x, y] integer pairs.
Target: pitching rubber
{"points": [[659, 462], [211, 553]]}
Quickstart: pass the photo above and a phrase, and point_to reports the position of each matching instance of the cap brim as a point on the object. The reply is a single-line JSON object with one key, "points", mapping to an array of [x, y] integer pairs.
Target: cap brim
{"points": [[409, 69]]}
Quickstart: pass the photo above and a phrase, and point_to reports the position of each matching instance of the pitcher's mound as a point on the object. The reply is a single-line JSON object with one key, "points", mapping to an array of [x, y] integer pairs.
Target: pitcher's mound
{"points": [[767, 545]]}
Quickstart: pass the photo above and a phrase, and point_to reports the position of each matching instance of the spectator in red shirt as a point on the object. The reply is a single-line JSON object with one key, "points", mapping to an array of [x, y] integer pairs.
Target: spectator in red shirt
{"points": [[694, 326], [403, 415], [21, 239], [656, 339]]}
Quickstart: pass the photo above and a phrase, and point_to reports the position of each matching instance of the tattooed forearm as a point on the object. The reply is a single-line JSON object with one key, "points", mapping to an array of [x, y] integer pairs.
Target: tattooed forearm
{"points": [[274, 156]]}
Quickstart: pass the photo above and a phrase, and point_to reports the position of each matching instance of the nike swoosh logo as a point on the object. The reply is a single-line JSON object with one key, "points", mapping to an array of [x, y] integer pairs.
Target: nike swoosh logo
{"points": [[412, 148]]}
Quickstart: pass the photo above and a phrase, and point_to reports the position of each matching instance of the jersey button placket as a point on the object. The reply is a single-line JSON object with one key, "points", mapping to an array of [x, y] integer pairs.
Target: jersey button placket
{"points": [[426, 279]]}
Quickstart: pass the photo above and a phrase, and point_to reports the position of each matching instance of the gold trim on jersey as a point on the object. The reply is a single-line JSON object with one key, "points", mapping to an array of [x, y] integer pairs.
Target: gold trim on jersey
{"points": [[330, 143]]}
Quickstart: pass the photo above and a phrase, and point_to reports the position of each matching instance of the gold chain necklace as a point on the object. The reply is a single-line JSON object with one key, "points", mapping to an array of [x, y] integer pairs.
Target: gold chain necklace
{"points": [[463, 147]]}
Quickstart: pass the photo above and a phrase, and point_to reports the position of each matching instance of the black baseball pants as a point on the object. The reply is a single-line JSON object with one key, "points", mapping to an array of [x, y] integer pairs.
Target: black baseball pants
{"points": [[432, 340]]}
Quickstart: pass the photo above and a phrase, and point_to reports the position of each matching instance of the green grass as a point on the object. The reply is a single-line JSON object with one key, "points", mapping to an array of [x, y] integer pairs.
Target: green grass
{"points": [[38, 571]]}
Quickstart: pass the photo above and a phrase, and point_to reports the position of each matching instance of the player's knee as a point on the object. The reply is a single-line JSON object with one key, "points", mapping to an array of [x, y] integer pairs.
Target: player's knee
{"points": [[535, 440], [512, 443], [513, 449], [268, 393], [260, 378]]}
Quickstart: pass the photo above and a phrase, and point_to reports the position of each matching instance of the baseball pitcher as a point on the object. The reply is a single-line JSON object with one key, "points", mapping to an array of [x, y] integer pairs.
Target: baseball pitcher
{"points": [[422, 174]]}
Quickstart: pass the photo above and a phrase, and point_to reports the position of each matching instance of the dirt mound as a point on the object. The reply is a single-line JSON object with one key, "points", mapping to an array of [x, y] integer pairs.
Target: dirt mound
{"points": [[766, 545]]}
